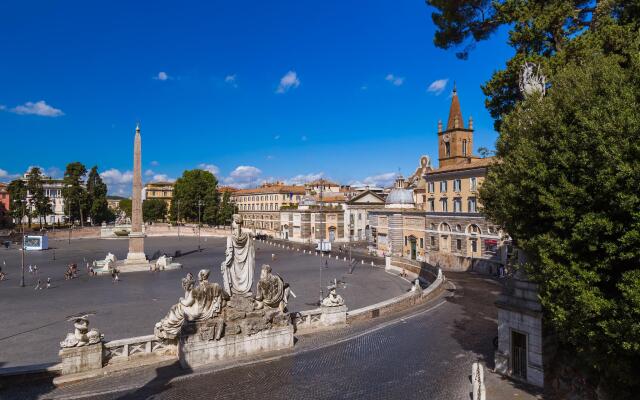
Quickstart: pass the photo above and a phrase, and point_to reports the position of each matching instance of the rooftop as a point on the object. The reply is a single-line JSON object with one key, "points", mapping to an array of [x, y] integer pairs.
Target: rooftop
{"points": [[271, 189], [470, 163]]}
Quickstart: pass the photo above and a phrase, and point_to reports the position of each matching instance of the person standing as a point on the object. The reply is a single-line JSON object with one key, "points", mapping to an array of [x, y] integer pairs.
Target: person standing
{"points": [[49, 283], [38, 285]]}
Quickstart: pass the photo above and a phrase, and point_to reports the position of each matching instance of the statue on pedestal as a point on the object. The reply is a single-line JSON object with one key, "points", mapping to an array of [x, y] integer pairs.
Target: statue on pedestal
{"points": [[237, 268], [81, 336], [333, 299], [200, 303], [271, 291]]}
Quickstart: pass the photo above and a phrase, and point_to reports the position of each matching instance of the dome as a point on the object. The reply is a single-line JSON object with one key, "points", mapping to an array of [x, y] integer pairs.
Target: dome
{"points": [[400, 198]]}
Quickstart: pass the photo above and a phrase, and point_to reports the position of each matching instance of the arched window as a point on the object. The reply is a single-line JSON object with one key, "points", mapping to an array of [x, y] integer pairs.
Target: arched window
{"points": [[464, 147]]}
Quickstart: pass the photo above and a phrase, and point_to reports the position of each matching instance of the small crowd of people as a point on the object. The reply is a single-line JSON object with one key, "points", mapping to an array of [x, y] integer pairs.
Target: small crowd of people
{"points": [[71, 272]]}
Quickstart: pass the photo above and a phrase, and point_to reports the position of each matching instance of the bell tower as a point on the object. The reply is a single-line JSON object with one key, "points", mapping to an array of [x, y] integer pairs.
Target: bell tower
{"points": [[455, 144]]}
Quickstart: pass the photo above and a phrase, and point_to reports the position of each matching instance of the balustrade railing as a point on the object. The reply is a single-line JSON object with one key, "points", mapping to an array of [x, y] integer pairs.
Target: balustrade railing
{"points": [[141, 346]]}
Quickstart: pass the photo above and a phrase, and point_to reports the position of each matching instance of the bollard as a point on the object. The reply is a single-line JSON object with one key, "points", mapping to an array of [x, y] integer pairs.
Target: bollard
{"points": [[336, 257], [362, 261], [372, 263], [345, 259]]}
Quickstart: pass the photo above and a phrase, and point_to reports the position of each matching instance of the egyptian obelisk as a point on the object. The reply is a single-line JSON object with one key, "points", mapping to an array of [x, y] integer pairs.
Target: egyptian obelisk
{"points": [[136, 236]]}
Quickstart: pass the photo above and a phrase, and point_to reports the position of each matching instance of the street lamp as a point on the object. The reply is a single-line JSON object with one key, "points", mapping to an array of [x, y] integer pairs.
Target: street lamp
{"points": [[178, 201], [22, 224], [200, 203]]}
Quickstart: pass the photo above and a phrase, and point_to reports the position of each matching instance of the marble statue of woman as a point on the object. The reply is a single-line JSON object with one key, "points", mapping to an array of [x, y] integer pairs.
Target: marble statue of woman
{"points": [[237, 268]]}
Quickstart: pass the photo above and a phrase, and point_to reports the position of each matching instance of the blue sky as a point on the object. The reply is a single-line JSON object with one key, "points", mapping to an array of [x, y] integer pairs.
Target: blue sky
{"points": [[252, 90]]}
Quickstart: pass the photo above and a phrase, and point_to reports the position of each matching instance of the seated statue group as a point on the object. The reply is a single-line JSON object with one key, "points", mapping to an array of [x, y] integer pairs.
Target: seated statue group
{"points": [[214, 311]]}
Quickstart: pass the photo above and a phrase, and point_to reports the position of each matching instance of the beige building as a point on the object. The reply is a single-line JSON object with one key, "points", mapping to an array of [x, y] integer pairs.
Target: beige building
{"points": [[159, 190], [260, 207], [437, 218]]}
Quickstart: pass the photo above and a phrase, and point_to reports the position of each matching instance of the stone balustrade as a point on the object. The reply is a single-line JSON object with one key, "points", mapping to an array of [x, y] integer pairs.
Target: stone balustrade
{"points": [[307, 320], [123, 350]]}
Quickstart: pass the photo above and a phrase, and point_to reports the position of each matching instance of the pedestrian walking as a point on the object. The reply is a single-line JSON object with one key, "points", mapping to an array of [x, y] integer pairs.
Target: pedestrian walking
{"points": [[49, 283], [30, 269], [35, 269], [38, 285]]}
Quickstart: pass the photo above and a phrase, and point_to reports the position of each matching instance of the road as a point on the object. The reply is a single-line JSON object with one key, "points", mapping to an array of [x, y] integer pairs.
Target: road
{"points": [[424, 354]]}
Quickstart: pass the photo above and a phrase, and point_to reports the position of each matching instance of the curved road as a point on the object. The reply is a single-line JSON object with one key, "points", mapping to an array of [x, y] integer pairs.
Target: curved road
{"points": [[424, 354]]}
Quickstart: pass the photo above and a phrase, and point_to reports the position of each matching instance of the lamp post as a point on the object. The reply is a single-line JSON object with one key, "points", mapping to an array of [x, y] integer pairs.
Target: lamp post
{"points": [[321, 245], [199, 205], [22, 224], [178, 218]]}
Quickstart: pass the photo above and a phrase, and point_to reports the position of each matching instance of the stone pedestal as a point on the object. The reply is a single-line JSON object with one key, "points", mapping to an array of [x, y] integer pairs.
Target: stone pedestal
{"points": [[332, 316], [81, 359], [136, 249], [195, 351]]}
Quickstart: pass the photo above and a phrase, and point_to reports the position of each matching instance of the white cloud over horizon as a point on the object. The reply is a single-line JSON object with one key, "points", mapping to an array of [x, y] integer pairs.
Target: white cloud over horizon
{"points": [[437, 87], [40, 108], [394, 79], [209, 167], [244, 176], [381, 180], [115, 176], [290, 80]]}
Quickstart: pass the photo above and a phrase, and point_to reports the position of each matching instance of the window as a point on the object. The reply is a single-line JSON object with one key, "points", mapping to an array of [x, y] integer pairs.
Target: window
{"points": [[431, 187], [424, 198], [422, 243], [359, 217], [405, 240], [457, 205], [458, 244], [472, 204], [473, 183], [443, 205], [464, 147], [432, 205], [447, 149], [457, 184], [433, 240], [443, 186]]}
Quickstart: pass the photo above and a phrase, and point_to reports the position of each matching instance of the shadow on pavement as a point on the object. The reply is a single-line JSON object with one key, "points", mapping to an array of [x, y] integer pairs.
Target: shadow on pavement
{"points": [[158, 384]]}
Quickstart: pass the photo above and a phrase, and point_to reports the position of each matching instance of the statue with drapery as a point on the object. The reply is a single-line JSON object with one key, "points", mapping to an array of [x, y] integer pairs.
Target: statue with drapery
{"points": [[238, 266]]}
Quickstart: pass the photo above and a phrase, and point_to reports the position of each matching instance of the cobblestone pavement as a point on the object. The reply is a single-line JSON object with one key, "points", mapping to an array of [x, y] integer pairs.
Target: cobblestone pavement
{"points": [[34, 321], [423, 353]]}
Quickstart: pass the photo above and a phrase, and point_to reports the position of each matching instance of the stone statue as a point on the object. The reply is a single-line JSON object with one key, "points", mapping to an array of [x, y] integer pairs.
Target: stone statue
{"points": [[237, 268], [333, 299], [199, 303], [531, 80], [271, 291], [82, 335], [416, 286]]}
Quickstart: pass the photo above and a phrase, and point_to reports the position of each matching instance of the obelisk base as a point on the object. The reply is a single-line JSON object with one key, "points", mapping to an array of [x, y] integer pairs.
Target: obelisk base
{"points": [[136, 249]]}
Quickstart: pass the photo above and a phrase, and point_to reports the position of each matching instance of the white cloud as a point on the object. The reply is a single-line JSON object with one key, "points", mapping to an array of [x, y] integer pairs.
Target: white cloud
{"points": [[154, 163], [438, 86], [162, 178], [381, 180], [270, 157], [231, 80], [149, 172], [304, 178], [244, 176], [114, 176], [395, 80], [209, 167], [40, 108], [162, 76], [288, 81]]}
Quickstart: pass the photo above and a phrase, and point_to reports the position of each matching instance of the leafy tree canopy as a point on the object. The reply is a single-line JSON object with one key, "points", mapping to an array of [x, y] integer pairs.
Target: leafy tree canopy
{"points": [[74, 193], [154, 210], [192, 187], [98, 207], [125, 205]]}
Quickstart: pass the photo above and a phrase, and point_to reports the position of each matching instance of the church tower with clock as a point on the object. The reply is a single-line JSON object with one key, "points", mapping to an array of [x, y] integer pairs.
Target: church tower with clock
{"points": [[455, 144]]}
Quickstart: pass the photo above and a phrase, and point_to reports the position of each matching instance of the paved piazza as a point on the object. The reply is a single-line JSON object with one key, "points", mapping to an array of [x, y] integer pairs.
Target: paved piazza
{"points": [[423, 353], [34, 321]]}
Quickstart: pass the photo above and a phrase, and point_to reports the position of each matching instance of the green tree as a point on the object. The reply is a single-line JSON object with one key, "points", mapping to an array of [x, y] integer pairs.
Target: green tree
{"points": [[567, 182], [99, 211], [39, 203], [227, 209], [17, 199], [154, 210], [74, 193], [194, 186], [124, 205]]}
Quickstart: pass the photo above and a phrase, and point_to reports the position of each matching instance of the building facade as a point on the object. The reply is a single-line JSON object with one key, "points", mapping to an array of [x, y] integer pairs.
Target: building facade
{"points": [[260, 207], [159, 190], [443, 223], [5, 200]]}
